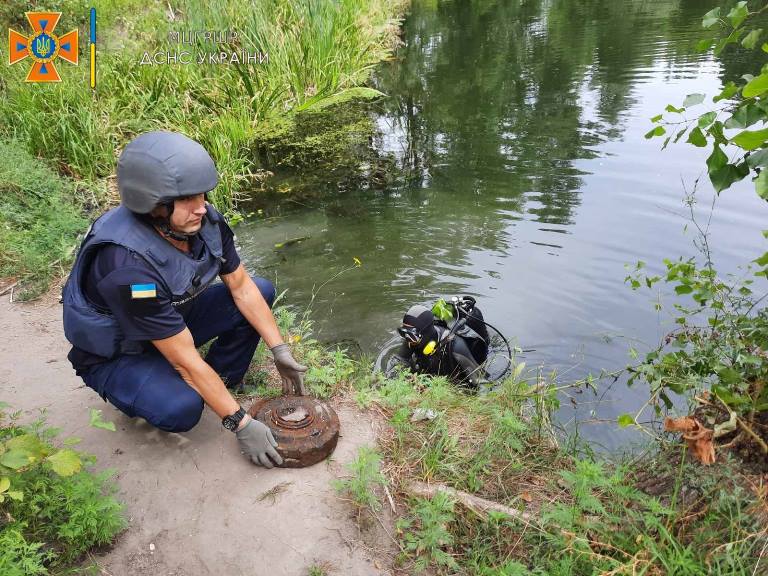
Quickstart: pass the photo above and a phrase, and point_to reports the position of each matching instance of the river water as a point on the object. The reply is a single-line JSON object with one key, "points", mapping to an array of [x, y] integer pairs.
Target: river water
{"points": [[525, 180]]}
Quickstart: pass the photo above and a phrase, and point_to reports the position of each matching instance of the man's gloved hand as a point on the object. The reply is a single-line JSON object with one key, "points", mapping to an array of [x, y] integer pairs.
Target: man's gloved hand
{"points": [[256, 440], [291, 371]]}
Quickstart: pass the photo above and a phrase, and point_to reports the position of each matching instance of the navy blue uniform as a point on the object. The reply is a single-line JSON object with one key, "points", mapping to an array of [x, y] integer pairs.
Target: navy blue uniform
{"points": [[146, 384]]}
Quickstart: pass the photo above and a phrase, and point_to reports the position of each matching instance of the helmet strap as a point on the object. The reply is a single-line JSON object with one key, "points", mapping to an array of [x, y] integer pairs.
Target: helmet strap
{"points": [[163, 223]]}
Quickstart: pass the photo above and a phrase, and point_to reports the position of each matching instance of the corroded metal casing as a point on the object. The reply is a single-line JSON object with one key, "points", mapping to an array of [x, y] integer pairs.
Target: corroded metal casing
{"points": [[305, 428]]}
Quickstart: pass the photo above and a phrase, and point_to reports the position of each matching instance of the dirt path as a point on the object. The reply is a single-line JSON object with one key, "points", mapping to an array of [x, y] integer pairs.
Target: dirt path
{"points": [[195, 505]]}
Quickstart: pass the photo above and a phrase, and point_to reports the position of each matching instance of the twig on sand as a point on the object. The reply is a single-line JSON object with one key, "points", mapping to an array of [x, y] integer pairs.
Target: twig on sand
{"points": [[474, 503], [391, 501], [273, 492], [8, 288]]}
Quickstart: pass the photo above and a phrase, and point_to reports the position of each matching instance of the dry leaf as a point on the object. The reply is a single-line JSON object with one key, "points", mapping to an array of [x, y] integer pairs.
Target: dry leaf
{"points": [[698, 437], [684, 424], [525, 495]]}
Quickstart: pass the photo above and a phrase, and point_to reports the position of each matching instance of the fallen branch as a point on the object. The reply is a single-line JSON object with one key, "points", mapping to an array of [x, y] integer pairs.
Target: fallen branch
{"points": [[743, 425], [7, 289], [474, 503], [754, 435], [391, 501]]}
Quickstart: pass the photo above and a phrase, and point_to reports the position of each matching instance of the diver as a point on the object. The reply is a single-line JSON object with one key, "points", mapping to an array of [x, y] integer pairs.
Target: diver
{"points": [[458, 351]]}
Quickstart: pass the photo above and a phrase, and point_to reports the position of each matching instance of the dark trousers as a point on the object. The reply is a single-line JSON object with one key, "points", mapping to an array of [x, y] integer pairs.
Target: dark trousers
{"points": [[147, 385]]}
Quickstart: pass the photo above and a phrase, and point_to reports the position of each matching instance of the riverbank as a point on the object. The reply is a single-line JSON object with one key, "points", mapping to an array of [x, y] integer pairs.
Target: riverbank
{"points": [[193, 504], [285, 58], [485, 485], [425, 477], [478, 484], [489, 485]]}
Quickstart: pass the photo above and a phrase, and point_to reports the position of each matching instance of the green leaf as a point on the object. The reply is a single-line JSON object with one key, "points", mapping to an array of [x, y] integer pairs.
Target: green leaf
{"points": [[751, 139], [16, 495], [71, 441], [728, 91], [727, 396], [738, 13], [65, 462], [707, 119], [696, 137], [744, 116], [657, 118], [727, 175], [716, 160], [97, 422], [671, 108], [703, 45], [29, 443], [758, 159], [762, 261], [756, 86], [442, 310], [693, 100], [5, 483], [680, 134], [711, 18], [716, 131], [683, 289], [625, 420], [732, 38], [764, 47], [750, 40], [657, 131], [761, 184], [16, 459]]}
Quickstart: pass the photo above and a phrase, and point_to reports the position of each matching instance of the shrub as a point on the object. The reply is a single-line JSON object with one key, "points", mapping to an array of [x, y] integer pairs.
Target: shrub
{"points": [[53, 507]]}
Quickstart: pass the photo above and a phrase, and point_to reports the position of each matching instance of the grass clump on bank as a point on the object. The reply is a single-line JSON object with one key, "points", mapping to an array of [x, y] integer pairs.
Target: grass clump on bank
{"points": [[545, 507], [52, 507], [317, 52], [318, 55], [486, 489], [40, 219], [485, 485]]}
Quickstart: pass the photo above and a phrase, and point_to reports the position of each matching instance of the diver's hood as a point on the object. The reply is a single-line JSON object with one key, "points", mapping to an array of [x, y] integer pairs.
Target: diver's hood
{"points": [[421, 318]]}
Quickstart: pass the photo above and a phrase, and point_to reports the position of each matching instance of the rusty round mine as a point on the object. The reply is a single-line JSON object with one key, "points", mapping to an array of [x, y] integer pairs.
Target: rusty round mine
{"points": [[305, 428]]}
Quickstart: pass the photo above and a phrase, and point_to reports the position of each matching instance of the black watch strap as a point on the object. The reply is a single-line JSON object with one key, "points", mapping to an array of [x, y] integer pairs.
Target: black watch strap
{"points": [[232, 421]]}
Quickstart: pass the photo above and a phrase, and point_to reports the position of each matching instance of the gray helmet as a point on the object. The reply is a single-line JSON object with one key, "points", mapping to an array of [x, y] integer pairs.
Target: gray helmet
{"points": [[158, 167]]}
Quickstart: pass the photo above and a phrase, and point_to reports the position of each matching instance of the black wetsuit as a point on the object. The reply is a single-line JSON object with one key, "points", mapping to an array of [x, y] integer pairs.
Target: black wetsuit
{"points": [[459, 355]]}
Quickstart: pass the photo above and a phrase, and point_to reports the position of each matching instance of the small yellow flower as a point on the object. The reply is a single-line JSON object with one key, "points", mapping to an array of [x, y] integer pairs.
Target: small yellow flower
{"points": [[295, 338], [357, 261]]}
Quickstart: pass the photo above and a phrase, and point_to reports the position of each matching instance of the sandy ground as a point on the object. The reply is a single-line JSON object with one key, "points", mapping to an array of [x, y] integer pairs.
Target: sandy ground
{"points": [[192, 501]]}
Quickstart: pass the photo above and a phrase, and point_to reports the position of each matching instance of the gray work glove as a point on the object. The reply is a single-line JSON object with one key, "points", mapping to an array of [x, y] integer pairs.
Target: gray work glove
{"points": [[256, 440], [290, 371]]}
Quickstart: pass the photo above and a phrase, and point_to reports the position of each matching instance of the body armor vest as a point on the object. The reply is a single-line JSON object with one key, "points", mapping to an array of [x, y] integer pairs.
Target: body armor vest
{"points": [[96, 330]]}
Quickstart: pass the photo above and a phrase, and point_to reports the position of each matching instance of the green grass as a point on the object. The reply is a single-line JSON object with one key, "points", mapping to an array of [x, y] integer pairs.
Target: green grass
{"points": [[53, 507], [365, 478], [661, 514], [319, 52], [40, 219]]}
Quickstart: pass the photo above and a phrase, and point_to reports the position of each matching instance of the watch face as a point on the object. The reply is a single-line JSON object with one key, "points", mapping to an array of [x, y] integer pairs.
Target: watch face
{"points": [[230, 422]]}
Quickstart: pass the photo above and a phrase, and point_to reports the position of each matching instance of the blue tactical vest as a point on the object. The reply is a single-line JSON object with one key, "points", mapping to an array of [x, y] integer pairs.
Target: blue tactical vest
{"points": [[97, 331]]}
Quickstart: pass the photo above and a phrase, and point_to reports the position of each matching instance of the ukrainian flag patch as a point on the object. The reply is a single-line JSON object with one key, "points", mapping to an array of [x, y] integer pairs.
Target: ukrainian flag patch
{"points": [[143, 291]]}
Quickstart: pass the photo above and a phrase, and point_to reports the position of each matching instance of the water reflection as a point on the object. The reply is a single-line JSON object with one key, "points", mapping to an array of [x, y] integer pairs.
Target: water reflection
{"points": [[525, 180]]}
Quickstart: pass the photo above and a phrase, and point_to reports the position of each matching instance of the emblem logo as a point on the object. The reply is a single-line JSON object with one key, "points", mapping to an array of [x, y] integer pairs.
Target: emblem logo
{"points": [[43, 46]]}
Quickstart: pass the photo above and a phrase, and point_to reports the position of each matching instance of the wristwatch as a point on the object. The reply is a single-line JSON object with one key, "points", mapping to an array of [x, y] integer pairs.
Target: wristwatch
{"points": [[232, 421]]}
